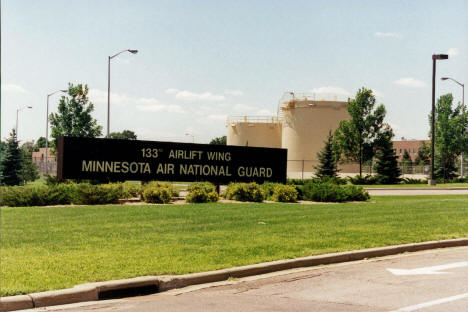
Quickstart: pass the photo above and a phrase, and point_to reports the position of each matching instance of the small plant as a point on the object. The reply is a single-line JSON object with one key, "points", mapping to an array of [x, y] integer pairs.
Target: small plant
{"points": [[245, 192], [284, 193], [201, 192], [158, 192]]}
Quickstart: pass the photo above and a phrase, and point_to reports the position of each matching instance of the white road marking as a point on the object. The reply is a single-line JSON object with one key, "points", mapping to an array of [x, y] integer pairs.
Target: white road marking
{"points": [[431, 303], [429, 270]]}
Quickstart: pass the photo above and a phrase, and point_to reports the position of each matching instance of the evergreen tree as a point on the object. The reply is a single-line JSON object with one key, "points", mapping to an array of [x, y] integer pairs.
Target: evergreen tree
{"points": [[29, 170], [328, 160], [387, 160], [11, 162]]}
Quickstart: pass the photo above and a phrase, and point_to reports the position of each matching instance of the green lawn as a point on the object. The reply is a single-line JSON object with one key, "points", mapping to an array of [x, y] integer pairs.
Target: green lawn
{"points": [[439, 185], [46, 248]]}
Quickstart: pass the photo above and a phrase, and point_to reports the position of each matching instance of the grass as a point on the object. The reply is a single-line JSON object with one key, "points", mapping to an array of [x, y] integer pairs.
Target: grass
{"points": [[45, 248], [439, 185]]}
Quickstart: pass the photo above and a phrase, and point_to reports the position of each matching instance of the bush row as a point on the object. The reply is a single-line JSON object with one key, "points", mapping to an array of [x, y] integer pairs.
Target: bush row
{"points": [[164, 192]]}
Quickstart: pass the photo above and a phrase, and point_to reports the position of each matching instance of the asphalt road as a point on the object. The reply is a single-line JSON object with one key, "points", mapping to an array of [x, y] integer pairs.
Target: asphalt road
{"points": [[435, 280]]}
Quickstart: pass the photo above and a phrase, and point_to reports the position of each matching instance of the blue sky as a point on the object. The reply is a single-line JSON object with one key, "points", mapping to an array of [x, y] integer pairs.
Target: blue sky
{"points": [[200, 61]]}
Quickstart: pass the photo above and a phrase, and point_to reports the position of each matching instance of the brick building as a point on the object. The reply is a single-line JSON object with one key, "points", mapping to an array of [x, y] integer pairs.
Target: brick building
{"points": [[39, 158], [412, 146]]}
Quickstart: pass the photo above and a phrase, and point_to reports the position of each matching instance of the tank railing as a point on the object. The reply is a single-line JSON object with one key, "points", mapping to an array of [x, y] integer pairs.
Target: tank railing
{"points": [[258, 119], [310, 96]]}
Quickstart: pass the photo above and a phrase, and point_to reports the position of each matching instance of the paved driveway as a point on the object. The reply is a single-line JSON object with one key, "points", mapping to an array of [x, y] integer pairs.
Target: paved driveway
{"points": [[428, 281]]}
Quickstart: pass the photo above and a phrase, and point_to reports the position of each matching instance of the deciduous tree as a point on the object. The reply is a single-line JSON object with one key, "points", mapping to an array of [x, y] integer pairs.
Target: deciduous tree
{"points": [[222, 140], [355, 138], [73, 117], [450, 135], [124, 135]]}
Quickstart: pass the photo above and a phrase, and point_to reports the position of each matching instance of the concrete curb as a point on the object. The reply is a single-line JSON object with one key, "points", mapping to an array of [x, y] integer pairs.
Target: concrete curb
{"points": [[416, 189], [96, 291]]}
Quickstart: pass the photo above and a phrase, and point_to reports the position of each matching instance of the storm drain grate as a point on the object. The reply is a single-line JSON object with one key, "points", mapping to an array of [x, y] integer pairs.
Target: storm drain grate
{"points": [[128, 292]]}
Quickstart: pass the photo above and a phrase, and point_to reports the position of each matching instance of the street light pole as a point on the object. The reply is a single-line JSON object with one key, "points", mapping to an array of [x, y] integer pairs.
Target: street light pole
{"points": [[462, 173], [108, 84], [435, 57], [47, 131], [17, 112]]}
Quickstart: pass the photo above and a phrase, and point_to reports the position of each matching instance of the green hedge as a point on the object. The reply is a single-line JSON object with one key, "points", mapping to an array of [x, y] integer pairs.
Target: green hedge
{"points": [[202, 192], [245, 192], [19, 196], [327, 192], [88, 194]]}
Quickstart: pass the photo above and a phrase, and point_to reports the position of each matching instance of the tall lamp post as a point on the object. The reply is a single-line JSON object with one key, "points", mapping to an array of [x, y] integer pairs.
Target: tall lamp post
{"points": [[435, 57], [462, 173], [193, 137], [17, 112], [108, 84], [47, 130]]}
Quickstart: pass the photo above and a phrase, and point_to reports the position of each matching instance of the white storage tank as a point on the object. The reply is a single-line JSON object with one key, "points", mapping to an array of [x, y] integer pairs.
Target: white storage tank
{"points": [[259, 131], [306, 123]]}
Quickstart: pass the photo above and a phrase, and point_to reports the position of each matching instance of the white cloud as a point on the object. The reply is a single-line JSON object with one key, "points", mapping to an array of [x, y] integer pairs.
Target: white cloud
{"points": [[452, 52], [100, 96], [171, 91], [388, 35], [193, 96], [410, 82], [329, 90], [10, 87], [153, 108], [243, 107], [217, 117], [141, 104], [234, 92]]}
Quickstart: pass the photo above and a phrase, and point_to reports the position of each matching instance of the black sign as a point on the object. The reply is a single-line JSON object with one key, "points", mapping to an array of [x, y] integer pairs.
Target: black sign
{"points": [[114, 160]]}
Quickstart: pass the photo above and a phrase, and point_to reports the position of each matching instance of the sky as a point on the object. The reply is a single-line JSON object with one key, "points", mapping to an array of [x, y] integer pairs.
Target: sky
{"points": [[201, 61]]}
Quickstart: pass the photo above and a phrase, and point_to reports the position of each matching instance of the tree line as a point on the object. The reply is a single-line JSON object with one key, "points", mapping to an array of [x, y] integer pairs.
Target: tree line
{"points": [[366, 137]]}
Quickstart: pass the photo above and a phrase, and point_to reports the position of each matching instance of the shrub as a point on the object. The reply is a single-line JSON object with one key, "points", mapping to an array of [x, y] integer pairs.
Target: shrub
{"points": [[131, 189], [365, 180], [158, 192], [413, 181], [87, 194], [202, 192], [17, 196], [245, 192], [268, 189], [284, 193], [326, 192], [333, 180]]}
